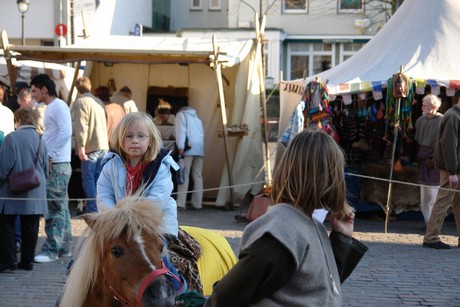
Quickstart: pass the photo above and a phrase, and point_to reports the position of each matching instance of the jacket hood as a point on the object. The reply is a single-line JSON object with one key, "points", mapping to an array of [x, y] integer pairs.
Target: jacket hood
{"points": [[189, 111]]}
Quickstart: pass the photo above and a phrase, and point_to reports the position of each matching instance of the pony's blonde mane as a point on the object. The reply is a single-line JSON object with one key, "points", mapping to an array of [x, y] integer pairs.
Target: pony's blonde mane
{"points": [[131, 215]]}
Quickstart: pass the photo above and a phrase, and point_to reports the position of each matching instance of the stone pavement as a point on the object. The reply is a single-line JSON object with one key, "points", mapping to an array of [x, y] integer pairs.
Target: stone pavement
{"points": [[396, 271]]}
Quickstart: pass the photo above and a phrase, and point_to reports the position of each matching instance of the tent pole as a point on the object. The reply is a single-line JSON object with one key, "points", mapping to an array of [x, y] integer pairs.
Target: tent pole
{"points": [[12, 73], [216, 64], [74, 81], [392, 166], [390, 186], [263, 98]]}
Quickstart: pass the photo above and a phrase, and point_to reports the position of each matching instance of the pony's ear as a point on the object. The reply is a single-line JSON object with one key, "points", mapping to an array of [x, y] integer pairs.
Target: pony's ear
{"points": [[91, 222]]}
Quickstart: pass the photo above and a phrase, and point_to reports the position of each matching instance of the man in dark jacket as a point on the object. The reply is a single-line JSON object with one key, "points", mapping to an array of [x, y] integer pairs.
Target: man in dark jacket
{"points": [[447, 160]]}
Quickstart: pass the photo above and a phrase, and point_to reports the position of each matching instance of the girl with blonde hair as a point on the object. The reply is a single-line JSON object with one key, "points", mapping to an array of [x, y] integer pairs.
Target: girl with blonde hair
{"points": [[138, 161]]}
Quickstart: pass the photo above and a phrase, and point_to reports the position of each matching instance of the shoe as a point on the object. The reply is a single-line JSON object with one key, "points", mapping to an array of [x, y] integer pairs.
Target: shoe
{"points": [[10, 267], [437, 245], [181, 209], [195, 209], [26, 266], [65, 255], [44, 258]]}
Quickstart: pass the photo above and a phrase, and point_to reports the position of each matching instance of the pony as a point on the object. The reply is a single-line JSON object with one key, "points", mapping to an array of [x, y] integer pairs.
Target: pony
{"points": [[118, 259]]}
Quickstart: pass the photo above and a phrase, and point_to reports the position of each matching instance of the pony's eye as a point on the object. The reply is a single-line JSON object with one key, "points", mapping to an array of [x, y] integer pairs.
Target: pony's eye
{"points": [[116, 251]]}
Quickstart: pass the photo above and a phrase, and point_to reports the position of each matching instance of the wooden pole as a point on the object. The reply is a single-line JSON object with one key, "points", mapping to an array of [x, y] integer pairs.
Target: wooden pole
{"points": [[12, 73], [216, 64], [390, 185], [263, 99], [74, 81], [395, 139]]}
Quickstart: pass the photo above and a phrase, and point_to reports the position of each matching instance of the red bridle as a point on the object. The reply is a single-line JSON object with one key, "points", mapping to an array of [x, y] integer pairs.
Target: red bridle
{"points": [[145, 283]]}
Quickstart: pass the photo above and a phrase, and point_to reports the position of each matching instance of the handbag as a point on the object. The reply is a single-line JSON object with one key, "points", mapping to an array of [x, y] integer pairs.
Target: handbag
{"points": [[27, 179], [258, 206]]}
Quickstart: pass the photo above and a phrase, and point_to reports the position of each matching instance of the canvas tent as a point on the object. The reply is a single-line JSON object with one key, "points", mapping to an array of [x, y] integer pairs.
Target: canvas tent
{"points": [[420, 37], [183, 63], [24, 71]]}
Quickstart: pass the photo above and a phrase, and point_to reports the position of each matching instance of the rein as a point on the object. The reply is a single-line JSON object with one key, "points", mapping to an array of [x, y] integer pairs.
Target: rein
{"points": [[153, 275]]}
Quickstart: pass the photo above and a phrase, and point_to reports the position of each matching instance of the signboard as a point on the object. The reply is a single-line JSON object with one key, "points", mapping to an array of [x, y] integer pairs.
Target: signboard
{"points": [[138, 29], [61, 30], [81, 6]]}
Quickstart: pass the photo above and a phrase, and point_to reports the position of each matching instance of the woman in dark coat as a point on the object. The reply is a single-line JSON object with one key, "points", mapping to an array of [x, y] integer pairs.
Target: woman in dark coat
{"points": [[18, 153]]}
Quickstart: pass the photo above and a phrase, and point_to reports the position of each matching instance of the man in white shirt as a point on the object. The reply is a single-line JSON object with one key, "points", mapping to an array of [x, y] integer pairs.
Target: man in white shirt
{"points": [[57, 138]]}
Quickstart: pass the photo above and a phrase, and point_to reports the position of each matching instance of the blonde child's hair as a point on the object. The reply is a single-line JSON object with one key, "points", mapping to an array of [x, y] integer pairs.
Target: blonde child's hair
{"points": [[310, 174], [155, 143]]}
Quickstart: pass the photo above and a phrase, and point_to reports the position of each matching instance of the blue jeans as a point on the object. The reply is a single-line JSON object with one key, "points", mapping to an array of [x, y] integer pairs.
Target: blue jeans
{"points": [[90, 171]]}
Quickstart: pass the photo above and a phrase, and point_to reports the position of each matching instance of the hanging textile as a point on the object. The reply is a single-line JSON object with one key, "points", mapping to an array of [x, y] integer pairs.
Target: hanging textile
{"points": [[317, 108], [406, 94], [313, 109], [296, 124]]}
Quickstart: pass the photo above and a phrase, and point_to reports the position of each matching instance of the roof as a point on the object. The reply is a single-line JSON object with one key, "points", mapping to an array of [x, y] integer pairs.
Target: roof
{"points": [[138, 49], [421, 36]]}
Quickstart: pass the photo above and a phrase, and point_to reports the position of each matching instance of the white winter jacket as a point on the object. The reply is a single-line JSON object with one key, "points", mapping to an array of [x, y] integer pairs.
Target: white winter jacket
{"points": [[189, 125]]}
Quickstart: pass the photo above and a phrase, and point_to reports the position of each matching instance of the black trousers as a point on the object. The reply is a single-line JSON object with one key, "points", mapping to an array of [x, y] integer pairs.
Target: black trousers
{"points": [[29, 237]]}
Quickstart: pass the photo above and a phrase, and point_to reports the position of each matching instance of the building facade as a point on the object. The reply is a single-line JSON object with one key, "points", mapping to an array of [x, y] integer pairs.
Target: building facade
{"points": [[301, 38]]}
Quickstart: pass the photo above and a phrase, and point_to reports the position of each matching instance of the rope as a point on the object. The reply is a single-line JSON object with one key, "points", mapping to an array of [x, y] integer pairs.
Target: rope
{"points": [[175, 193], [247, 184], [397, 181]]}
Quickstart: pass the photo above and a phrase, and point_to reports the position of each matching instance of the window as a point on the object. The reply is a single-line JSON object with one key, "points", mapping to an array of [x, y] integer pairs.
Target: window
{"points": [[349, 49], [160, 16], [214, 5], [350, 6], [195, 5], [44, 42], [308, 59], [265, 58], [299, 66], [295, 6]]}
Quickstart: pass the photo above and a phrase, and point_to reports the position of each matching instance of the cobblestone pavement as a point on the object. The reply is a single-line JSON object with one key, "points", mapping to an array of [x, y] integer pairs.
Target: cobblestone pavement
{"points": [[396, 271]]}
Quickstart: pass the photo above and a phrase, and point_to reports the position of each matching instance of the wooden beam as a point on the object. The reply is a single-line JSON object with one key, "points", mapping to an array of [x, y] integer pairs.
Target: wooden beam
{"points": [[216, 64]]}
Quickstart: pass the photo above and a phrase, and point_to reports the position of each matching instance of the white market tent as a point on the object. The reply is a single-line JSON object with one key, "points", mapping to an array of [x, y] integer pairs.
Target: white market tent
{"points": [[143, 62], [421, 36]]}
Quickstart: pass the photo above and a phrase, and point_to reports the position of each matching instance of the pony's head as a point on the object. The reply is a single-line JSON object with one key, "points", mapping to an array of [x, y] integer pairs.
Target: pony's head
{"points": [[121, 259]]}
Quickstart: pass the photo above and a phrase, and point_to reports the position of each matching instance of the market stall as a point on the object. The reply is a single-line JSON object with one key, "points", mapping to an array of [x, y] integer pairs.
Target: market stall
{"points": [[361, 107]]}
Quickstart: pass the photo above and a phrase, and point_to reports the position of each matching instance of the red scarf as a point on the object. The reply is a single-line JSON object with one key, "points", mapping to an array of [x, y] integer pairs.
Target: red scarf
{"points": [[133, 177]]}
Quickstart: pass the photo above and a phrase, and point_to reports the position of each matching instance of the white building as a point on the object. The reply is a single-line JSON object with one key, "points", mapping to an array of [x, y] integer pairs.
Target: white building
{"points": [[303, 37]]}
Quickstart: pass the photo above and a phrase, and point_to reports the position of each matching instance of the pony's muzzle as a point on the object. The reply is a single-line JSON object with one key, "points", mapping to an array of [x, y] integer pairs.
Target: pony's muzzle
{"points": [[159, 292]]}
